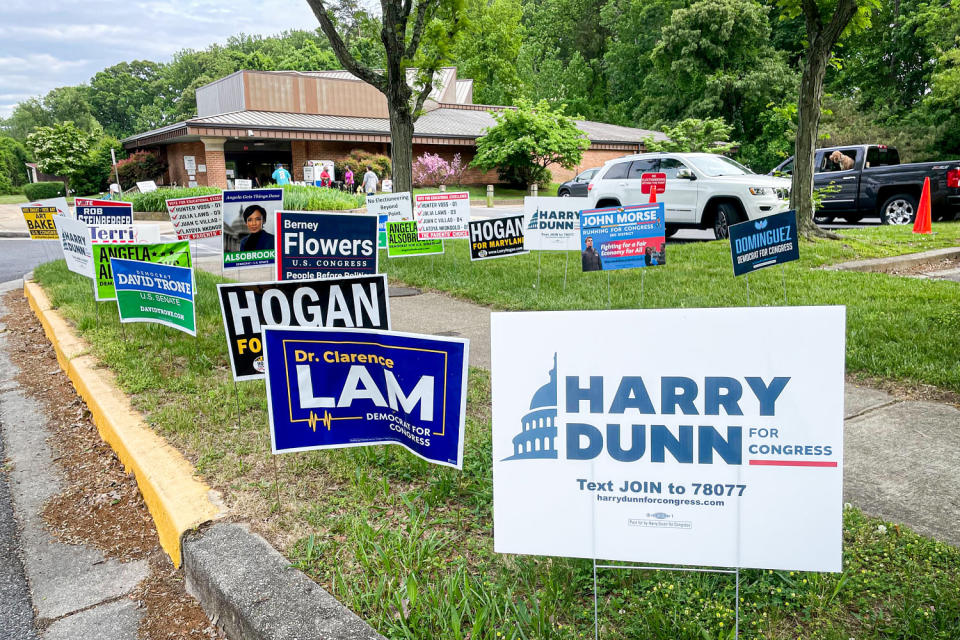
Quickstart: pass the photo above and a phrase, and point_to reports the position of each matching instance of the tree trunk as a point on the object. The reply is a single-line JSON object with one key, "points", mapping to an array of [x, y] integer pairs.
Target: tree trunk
{"points": [[401, 147], [808, 124]]}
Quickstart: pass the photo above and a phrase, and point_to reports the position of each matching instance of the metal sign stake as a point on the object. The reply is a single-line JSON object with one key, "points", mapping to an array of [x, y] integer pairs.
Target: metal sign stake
{"points": [[565, 264]]}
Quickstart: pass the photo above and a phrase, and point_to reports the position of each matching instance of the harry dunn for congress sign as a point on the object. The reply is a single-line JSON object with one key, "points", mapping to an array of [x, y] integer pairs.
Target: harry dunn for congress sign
{"points": [[334, 388], [100, 212], [623, 237], [171, 253], [723, 453], [76, 245], [325, 245], [553, 224], [496, 238], [159, 293], [358, 302], [756, 244]]}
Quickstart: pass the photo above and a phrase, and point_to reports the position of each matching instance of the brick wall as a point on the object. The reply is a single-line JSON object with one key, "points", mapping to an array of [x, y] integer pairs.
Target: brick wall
{"points": [[216, 175], [591, 158], [175, 154], [298, 149]]}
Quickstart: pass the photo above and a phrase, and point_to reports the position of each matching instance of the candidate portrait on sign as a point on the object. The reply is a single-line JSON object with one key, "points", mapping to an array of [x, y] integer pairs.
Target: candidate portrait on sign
{"points": [[246, 224], [590, 259]]}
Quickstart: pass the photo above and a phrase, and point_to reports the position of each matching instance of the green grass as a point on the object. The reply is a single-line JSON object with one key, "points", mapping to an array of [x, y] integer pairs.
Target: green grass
{"points": [[408, 545], [901, 328], [478, 193], [15, 198]]}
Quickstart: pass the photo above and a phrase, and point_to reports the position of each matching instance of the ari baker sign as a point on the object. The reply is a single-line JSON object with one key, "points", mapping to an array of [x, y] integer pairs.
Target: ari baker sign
{"points": [[157, 293], [360, 302], [39, 217], [724, 453], [333, 388]]}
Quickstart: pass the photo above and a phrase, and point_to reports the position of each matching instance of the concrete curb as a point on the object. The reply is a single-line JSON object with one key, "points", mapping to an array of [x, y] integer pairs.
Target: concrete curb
{"points": [[14, 234], [177, 501], [882, 264]]}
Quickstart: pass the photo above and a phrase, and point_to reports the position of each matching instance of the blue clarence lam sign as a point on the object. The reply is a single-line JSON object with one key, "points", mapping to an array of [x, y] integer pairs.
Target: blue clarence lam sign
{"points": [[756, 244], [333, 388]]}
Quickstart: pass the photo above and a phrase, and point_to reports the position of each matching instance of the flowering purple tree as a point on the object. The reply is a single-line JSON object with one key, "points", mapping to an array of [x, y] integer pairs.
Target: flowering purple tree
{"points": [[431, 170]]}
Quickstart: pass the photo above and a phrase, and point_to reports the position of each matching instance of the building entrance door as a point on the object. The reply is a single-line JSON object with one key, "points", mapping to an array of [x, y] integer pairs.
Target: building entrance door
{"points": [[256, 161]]}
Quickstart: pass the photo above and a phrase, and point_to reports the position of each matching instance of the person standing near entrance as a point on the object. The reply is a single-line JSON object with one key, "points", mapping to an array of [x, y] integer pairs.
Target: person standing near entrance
{"points": [[370, 182], [281, 175], [348, 179]]}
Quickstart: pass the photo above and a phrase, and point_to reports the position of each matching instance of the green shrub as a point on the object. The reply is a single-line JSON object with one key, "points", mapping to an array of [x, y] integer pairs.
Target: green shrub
{"points": [[156, 200], [307, 198], [97, 173], [140, 166], [43, 190], [13, 170], [360, 159]]}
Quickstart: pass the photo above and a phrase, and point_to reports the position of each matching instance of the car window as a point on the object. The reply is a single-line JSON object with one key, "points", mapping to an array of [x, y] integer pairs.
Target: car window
{"points": [[844, 161], [787, 168], [587, 175], [617, 171], [640, 167], [671, 166], [882, 157], [717, 165]]}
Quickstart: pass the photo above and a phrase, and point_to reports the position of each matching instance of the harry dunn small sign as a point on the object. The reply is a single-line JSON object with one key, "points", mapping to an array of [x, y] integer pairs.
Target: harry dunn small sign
{"points": [[442, 216], [325, 245], [39, 217], [171, 253], [358, 302], [552, 223], [76, 245], [403, 241], [496, 238], [756, 244], [623, 237], [333, 388], [196, 217], [101, 212], [157, 293], [725, 453]]}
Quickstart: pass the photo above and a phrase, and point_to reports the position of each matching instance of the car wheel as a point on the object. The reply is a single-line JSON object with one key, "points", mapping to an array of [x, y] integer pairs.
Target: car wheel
{"points": [[564, 193], [671, 230], [727, 214], [820, 219], [899, 209]]}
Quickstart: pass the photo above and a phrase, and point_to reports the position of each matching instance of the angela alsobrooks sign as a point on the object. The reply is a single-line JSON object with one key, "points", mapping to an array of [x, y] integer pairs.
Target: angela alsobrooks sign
{"points": [[756, 244], [722, 453], [324, 245], [334, 388], [358, 302]]}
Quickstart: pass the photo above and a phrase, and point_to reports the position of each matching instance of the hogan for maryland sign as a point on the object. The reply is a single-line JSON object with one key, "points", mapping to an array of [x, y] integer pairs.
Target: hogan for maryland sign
{"points": [[679, 436]]}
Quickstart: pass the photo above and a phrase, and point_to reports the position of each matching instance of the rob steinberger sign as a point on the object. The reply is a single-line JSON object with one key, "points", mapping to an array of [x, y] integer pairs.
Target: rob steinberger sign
{"points": [[724, 453]]}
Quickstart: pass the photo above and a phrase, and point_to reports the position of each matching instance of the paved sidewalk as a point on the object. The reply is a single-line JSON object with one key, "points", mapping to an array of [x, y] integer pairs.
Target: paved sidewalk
{"points": [[76, 591]]}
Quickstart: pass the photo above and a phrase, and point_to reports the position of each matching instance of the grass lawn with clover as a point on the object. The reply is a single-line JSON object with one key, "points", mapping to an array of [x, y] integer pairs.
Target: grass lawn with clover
{"points": [[408, 545]]}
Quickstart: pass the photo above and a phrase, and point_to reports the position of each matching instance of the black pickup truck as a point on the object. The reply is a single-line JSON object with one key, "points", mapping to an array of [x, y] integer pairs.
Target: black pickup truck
{"points": [[876, 184]]}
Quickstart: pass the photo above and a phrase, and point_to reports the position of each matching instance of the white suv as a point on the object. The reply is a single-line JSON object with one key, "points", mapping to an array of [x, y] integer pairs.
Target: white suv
{"points": [[704, 190]]}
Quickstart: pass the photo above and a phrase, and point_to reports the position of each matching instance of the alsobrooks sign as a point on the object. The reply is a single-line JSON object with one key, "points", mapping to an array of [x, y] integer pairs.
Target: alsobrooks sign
{"points": [[719, 452]]}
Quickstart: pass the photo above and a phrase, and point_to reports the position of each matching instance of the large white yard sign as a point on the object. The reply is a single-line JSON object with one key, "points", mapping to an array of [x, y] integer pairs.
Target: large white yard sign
{"points": [[690, 436], [553, 223]]}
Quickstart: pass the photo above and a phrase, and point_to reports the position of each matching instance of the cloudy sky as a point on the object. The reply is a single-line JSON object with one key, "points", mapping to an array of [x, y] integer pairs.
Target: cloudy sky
{"points": [[53, 43]]}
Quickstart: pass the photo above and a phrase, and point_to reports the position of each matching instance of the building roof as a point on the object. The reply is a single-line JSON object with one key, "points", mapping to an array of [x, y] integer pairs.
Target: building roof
{"points": [[447, 121]]}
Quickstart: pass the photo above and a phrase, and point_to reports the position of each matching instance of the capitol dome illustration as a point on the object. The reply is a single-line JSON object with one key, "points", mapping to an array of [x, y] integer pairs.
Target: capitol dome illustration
{"points": [[537, 439]]}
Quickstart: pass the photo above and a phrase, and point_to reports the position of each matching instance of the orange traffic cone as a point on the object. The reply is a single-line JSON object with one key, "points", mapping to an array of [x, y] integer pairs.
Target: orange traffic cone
{"points": [[922, 223], [653, 194]]}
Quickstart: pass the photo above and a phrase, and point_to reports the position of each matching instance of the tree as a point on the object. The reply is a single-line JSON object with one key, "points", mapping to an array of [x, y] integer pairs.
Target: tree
{"points": [[527, 140], [118, 94], [59, 105], [692, 134], [13, 170], [60, 150], [419, 40], [824, 24], [488, 47]]}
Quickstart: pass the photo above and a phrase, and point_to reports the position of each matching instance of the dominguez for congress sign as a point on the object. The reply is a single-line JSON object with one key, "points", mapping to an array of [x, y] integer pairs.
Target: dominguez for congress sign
{"points": [[333, 388], [721, 452], [756, 244]]}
